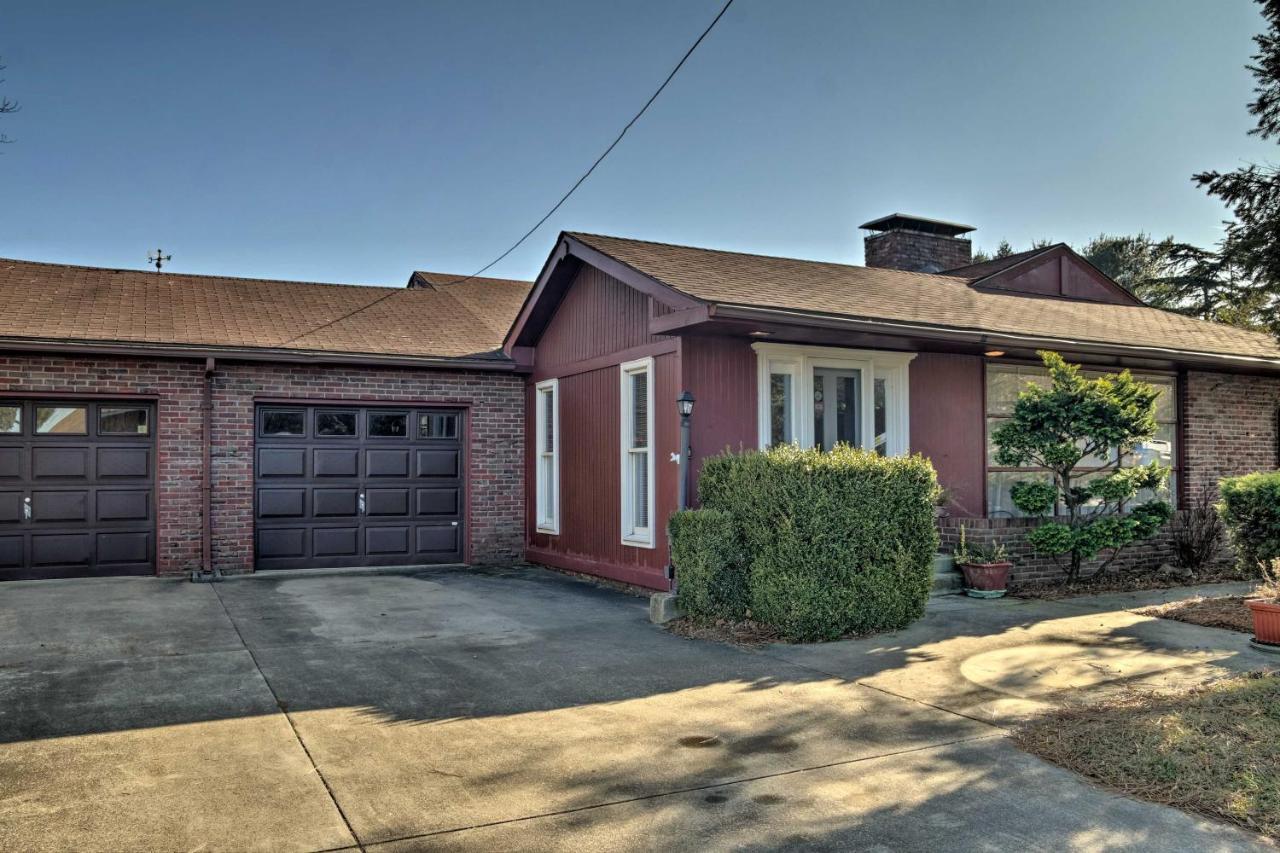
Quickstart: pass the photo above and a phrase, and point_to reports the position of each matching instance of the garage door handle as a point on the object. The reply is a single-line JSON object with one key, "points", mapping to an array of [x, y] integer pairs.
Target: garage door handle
{"points": [[26, 508], [361, 504]]}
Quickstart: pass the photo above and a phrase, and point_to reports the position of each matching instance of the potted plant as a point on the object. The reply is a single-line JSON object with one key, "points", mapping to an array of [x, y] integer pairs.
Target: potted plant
{"points": [[1266, 609], [985, 567]]}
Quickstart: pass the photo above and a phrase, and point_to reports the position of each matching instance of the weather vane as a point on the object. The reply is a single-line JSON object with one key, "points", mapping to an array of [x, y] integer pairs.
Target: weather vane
{"points": [[158, 258]]}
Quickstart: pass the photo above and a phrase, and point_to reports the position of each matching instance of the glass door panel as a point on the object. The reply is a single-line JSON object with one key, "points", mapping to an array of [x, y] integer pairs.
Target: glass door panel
{"points": [[837, 407]]}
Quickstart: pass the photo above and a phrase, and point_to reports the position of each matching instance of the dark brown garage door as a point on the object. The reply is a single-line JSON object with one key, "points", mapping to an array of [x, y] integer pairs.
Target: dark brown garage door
{"points": [[76, 488], [354, 486]]}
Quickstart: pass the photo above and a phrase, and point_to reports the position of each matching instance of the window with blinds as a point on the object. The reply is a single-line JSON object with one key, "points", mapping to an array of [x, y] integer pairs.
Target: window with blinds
{"points": [[637, 453], [547, 470]]}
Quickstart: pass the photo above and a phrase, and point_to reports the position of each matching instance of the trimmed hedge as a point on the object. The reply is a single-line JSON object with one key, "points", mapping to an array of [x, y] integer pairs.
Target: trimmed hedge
{"points": [[832, 543], [713, 582], [1250, 508]]}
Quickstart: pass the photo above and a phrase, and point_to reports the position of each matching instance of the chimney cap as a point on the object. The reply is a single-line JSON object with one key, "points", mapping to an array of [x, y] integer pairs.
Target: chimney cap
{"points": [[924, 225]]}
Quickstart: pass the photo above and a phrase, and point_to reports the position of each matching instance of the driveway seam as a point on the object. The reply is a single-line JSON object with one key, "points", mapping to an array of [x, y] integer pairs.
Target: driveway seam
{"points": [[292, 728], [676, 791]]}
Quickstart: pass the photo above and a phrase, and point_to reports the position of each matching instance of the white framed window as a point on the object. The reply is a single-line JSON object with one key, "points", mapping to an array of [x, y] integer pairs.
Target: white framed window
{"points": [[822, 396], [637, 453], [547, 474]]}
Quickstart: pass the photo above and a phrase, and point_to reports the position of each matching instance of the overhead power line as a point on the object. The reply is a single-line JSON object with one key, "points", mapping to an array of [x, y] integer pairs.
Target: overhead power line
{"points": [[564, 198]]}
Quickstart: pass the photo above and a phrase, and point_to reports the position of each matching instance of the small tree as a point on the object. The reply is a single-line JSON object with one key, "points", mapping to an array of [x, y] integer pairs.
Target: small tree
{"points": [[1056, 428]]}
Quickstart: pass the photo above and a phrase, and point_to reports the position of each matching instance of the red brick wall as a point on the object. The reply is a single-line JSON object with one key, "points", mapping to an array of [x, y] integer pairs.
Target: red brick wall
{"points": [[495, 446]]}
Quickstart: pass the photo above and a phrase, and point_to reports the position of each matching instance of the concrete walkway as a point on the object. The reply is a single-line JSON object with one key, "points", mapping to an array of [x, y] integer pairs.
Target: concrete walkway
{"points": [[518, 709]]}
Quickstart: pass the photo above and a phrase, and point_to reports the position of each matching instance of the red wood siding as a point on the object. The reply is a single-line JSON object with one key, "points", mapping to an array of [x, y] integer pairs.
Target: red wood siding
{"points": [[590, 537], [720, 372], [599, 315], [599, 324], [947, 425], [1060, 274]]}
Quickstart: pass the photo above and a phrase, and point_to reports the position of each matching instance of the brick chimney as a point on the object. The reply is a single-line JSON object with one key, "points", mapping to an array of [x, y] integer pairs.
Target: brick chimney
{"points": [[916, 244]]}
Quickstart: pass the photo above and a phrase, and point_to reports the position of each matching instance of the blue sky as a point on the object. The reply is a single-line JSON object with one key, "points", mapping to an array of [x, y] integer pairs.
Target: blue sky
{"points": [[355, 142]]}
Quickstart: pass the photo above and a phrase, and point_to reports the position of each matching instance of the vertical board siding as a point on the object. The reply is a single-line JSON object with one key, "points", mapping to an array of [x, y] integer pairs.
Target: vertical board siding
{"points": [[590, 537], [599, 315], [720, 372], [948, 426]]}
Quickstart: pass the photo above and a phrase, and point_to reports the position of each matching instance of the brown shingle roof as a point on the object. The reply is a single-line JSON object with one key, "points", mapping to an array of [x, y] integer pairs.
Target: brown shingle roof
{"points": [[944, 301], [67, 303]]}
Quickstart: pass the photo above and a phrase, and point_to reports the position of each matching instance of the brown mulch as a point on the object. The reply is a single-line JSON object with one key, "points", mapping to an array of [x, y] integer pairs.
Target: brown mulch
{"points": [[1227, 611], [739, 633], [1128, 582]]}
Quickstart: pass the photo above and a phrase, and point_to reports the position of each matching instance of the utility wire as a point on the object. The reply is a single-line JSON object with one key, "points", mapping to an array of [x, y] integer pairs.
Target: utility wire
{"points": [[563, 198]]}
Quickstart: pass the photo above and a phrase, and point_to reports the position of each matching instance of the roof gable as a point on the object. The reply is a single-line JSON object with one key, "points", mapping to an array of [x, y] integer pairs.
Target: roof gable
{"points": [[1056, 272]]}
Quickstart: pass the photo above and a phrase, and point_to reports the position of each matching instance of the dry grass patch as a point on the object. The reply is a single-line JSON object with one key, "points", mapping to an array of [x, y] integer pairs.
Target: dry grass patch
{"points": [[742, 632], [1227, 611], [1214, 751], [1129, 582]]}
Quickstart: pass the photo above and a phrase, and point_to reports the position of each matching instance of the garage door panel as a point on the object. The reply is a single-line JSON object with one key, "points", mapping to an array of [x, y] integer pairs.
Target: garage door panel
{"points": [[344, 462], [124, 548], [362, 488], [77, 498], [59, 506], [116, 462], [437, 540], [387, 502], [437, 502], [387, 463], [282, 462], [61, 462], [384, 541], [287, 542], [336, 541], [10, 463], [335, 503], [123, 505], [61, 549], [282, 503], [437, 463], [11, 507], [12, 551]]}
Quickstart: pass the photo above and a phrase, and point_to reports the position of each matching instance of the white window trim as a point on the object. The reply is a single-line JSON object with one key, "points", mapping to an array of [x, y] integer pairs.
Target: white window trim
{"points": [[799, 361], [636, 537], [547, 522]]}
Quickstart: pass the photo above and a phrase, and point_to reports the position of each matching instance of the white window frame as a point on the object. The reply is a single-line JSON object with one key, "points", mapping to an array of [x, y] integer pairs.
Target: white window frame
{"points": [[639, 537], [800, 361], [547, 483]]}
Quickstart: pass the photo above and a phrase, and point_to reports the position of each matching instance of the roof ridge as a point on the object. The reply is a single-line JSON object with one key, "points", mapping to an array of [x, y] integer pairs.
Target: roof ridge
{"points": [[462, 279], [232, 278], [1011, 258], [933, 276]]}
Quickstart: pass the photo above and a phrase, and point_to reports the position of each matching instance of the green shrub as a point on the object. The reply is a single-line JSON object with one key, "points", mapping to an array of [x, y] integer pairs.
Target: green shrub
{"points": [[835, 543], [1250, 508], [709, 564]]}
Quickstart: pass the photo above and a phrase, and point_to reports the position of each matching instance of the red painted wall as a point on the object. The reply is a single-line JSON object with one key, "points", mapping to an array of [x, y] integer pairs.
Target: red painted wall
{"points": [[599, 319], [720, 372], [947, 425]]}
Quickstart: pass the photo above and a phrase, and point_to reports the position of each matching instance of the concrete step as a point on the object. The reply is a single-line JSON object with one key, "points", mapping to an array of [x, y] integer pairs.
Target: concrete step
{"points": [[947, 579]]}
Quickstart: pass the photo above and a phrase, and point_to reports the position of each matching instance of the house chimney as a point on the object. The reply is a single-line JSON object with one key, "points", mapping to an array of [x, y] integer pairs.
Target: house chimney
{"points": [[916, 244]]}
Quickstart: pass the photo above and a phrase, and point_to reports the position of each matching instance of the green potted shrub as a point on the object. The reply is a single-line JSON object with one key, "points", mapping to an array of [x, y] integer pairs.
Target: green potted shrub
{"points": [[985, 568]]}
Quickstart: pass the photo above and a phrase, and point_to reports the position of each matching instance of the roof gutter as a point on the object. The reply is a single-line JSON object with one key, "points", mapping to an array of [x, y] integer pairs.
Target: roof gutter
{"points": [[206, 573], [751, 312], [253, 354]]}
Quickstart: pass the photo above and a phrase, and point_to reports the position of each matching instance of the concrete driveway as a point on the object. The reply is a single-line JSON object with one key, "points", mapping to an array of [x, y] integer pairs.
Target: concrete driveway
{"points": [[519, 709]]}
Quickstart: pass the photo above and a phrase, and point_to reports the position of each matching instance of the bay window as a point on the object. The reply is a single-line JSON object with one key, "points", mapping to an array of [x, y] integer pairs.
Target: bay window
{"points": [[637, 453], [824, 396], [1006, 381], [547, 471]]}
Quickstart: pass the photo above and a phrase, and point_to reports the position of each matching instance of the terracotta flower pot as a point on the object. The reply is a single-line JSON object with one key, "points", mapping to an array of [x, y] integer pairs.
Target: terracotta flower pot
{"points": [[990, 579], [1266, 621]]}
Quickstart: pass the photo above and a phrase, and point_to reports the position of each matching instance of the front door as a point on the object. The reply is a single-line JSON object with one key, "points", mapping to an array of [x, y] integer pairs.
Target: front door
{"points": [[837, 407], [339, 486]]}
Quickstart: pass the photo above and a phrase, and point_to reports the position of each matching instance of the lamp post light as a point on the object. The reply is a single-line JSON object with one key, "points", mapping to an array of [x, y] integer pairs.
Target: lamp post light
{"points": [[684, 404]]}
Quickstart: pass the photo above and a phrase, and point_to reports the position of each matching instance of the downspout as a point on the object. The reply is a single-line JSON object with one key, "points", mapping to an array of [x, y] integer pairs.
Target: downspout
{"points": [[206, 573]]}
